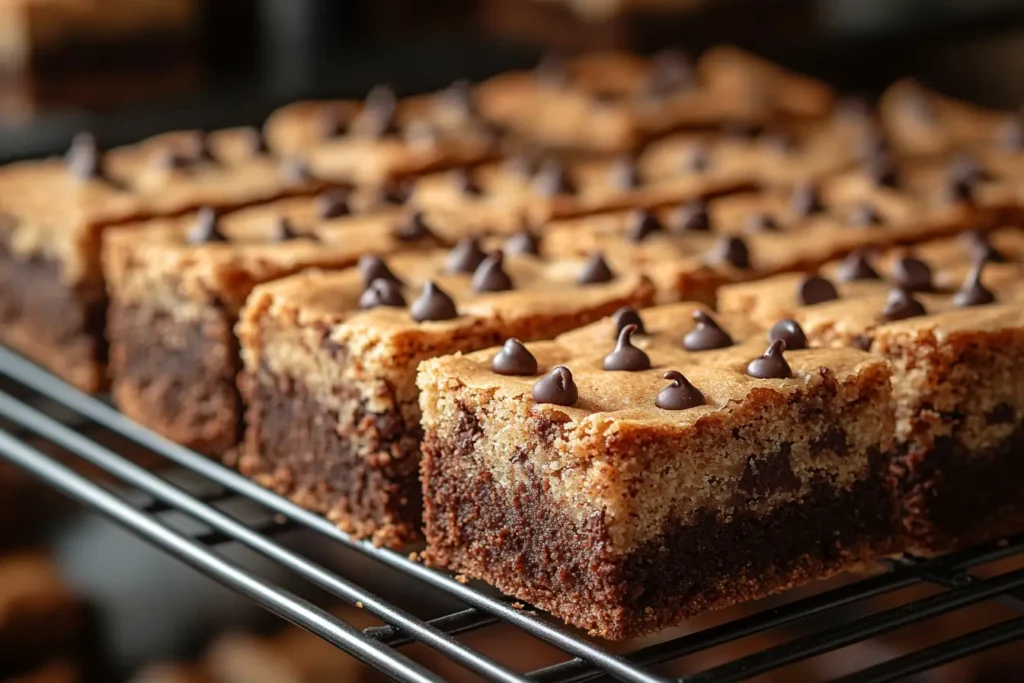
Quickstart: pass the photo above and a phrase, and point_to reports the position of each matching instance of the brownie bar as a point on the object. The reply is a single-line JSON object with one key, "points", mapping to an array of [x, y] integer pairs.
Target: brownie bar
{"points": [[53, 214], [176, 286], [957, 364], [332, 419], [588, 493]]}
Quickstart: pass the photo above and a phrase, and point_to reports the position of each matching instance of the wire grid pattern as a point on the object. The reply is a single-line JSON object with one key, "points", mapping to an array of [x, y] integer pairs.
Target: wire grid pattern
{"points": [[45, 407]]}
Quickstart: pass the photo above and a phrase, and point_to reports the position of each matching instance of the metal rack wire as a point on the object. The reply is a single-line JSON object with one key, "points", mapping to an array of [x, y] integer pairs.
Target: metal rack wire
{"points": [[43, 407]]}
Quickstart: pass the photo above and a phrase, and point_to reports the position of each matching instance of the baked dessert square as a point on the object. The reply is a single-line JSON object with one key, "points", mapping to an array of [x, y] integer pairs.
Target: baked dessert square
{"points": [[957, 372], [53, 213], [685, 470], [329, 367], [384, 138], [176, 286]]}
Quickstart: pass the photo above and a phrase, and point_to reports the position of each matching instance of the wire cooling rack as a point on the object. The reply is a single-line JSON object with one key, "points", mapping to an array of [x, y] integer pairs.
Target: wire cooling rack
{"points": [[37, 408]]}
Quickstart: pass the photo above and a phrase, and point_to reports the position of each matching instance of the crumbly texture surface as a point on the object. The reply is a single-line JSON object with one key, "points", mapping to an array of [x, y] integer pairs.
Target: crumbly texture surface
{"points": [[332, 418], [578, 509], [173, 307]]}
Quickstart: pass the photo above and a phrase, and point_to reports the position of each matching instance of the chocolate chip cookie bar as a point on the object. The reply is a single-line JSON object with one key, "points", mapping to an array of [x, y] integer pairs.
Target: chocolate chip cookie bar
{"points": [[614, 101], [958, 370], [384, 138], [176, 286], [627, 482], [53, 213], [329, 378]]}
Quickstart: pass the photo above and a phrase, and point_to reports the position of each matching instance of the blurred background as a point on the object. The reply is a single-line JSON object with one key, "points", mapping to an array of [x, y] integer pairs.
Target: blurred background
{"points": [[114, 609]]}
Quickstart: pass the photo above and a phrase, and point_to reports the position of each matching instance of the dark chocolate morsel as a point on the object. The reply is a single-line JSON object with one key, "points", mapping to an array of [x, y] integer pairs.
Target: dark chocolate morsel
{"points": [[973, 293], [414, 227], [490, 275], [465, 256], [790, 332], [332, 124], [969, 169], [523, 242], [671, 72], [680, 395], [333, 204], [743, 131], [395, 193], [557, 388], [172, 160], [379, 106], [902, 305], [882, 170], [624, 174], [382, 292], [625, 357], [628, 316], [864, 215], [912, 274], [204, 148], [283, 230], [856, 266], [986, 251], [806, 200], [814, 289], [374, 268], [772, 365], [295, 171], [640, 224], [760, 221], [696, 159], [83, 158], [595, 270], [552, 180], [514, 359], [732, 250], [433, 304], [707, 335], [691, 217], [206, 229], [465, 183]]}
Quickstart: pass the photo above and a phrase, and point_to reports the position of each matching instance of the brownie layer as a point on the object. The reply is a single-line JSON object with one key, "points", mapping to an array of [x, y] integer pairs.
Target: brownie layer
{"points": [[57, 325], [519, 540], [954, 496], [177, 377], [362, 473]]}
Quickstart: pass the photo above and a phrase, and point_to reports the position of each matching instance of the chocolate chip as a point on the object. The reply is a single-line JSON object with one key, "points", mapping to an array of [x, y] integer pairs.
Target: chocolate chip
{"points": [[973, 293], [378, 114], [624, 174], [814, 289], [465, 183], [374, 268], [83, 158], [333, 204], [465, 256], [552, 180], [552, 71], [856, 266], [514, 359], [833, 439], [790, 332], [759, 222], [707, 334], [204, 148], [671, 72], [742, 131], [772, 365], [862, 342], [395, 193], [771, 474], [641, 224], [557, 388], [628, 316], [696, 159], [332, 123], [731, 250], [206, 229], [523, 242], [626, 357], [295, 171], [864, 215], [595, 270], [691, 217], [382, 292], [283, 230], [902, 305], [969, 169], [171, 160], [433, 304], [680, 395], [490, 275], [882, 171], [806, 200], [912, 274], [413, 228]]}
